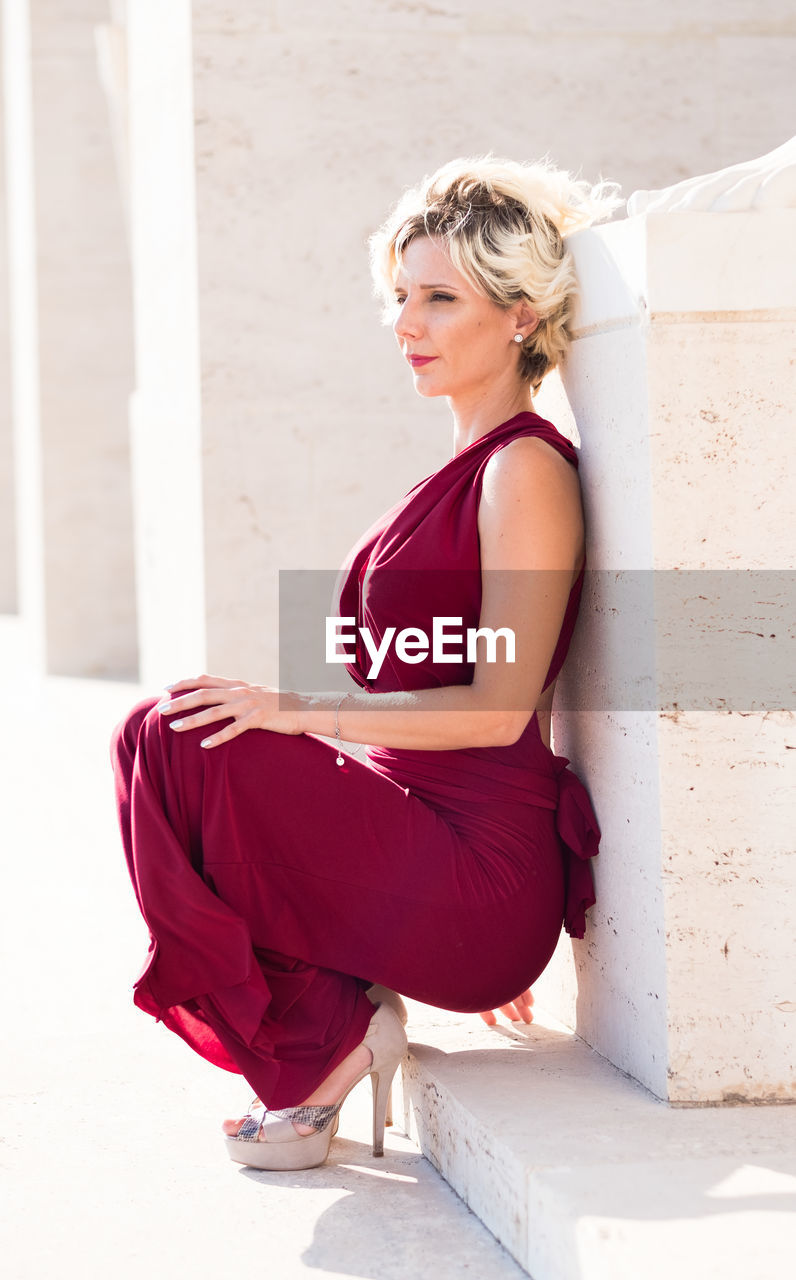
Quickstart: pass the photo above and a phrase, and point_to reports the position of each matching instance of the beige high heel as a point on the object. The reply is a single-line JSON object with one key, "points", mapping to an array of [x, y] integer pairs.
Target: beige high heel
{"points": [[377, 994], [267, 1138]]}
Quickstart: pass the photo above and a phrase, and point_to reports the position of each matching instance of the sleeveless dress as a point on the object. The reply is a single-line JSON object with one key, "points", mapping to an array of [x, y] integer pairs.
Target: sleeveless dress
{"points": [[277, 886]]}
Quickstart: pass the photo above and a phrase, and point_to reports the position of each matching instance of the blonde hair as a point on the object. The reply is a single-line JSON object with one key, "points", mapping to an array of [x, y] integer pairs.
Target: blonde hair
{"points": [[503, 225]]}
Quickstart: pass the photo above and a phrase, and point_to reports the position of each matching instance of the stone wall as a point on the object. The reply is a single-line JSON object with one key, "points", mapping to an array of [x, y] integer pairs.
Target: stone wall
{"points": [[681, 381], [309, 121], [70, 306], [8, 574], [300, 124]]}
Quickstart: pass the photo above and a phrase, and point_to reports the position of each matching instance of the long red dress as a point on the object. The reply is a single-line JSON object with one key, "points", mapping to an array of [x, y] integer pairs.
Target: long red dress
{"points": [[277, 886]]}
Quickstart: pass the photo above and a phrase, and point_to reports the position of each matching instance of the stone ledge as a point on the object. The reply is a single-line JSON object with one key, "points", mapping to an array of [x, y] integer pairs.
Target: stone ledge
{"points": [[584, 1175]]}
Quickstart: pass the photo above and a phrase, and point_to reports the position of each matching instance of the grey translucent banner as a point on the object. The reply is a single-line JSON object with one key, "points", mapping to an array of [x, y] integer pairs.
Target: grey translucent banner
{"points": [[703, 639]]}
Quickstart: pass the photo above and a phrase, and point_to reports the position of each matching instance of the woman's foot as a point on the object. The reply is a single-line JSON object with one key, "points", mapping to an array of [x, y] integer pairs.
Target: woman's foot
{"points": [[329, 1090], [298, 1137]]}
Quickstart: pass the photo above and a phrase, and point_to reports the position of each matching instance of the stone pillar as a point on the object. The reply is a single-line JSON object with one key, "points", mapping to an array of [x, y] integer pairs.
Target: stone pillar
{"points": [[165, 409], [8, 575], [22, 326], [681, 382], [72, 344]]}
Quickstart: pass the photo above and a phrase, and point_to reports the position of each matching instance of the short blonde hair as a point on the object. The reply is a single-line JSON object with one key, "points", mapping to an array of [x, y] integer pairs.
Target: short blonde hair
{"points": [[503, 224]]}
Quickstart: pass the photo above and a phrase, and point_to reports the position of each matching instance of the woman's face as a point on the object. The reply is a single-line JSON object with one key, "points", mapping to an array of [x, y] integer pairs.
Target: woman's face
{"points": [[458, 342]]}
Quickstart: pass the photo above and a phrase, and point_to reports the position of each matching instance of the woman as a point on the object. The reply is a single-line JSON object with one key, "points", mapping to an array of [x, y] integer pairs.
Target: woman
{"points": [[278, 886]]}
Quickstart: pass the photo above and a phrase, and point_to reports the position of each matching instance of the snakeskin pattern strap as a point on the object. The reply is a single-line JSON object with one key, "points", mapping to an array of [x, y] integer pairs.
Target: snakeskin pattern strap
{"points": [[320, 1117]]}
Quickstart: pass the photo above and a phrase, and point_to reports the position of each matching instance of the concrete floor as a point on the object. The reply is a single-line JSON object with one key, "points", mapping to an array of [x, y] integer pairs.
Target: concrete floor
{"points": [[111, 1160]]}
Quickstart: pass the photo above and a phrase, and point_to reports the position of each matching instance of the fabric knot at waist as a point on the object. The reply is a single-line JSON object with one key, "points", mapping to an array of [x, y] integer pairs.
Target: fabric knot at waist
{"points": [[579, 833]]}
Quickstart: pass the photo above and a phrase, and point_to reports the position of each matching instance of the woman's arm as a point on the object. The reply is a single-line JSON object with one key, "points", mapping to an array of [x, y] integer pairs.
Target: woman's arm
{"points": [[530, 526]]}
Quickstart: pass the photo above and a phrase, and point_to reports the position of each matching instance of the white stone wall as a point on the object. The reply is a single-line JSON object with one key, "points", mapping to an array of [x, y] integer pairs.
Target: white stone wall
{"points": [[310, 119], [306, 414], [70, 306], [8, 575], [85, 352], [23, 321], [166, 409], [682, 384]]}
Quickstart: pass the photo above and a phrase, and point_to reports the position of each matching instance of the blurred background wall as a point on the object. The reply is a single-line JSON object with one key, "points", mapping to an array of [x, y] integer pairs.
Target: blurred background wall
{"points": [[258, 144]]}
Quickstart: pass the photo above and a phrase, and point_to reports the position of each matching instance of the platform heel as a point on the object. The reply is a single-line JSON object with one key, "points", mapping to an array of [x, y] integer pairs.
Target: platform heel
{"points": [[267, 1139]]}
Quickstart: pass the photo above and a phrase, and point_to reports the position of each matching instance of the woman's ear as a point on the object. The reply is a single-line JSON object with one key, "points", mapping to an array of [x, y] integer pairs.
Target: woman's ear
{"points": [[526, 318]]}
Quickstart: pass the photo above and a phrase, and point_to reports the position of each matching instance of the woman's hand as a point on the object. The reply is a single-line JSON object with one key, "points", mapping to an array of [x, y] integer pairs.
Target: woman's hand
{"points": [[519, 1010], [213, 698]]}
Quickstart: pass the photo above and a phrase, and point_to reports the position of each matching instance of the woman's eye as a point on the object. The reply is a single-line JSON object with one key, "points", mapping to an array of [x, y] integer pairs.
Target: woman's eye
{"points": [[400, 298]]}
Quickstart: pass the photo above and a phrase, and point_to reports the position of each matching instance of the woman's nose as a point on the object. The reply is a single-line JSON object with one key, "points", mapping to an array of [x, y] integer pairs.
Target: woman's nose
{"points": [[407, 321]]}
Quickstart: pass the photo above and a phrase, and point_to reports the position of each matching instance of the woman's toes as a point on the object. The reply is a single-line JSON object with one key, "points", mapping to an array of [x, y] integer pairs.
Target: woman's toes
{"points": [[231, 1129]]}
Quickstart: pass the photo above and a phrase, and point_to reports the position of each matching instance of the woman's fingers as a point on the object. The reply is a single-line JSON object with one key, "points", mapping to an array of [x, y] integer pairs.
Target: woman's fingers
{"points": [[522, 1003], [247, 706], [209, 716], [204, 682], [231, 731], [201, 698], [244, 716], [217, 704], [519, 1010], [519, 1013]]}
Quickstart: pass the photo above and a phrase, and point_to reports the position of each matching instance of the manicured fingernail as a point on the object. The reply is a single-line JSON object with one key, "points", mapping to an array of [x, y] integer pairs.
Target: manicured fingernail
{"points": [[176, 724], [206, 742], [164, 705], [169, 687]]}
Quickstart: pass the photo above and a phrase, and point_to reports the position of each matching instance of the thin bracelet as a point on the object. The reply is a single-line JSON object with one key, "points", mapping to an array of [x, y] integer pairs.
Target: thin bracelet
{"points": [[340, 757]]}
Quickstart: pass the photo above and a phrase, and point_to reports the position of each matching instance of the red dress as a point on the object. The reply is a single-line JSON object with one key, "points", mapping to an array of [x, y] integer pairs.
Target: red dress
{"points": [[277, 886]]}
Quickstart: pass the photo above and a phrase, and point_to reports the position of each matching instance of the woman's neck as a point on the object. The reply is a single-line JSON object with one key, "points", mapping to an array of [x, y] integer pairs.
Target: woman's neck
{"points": [[473, 419]]}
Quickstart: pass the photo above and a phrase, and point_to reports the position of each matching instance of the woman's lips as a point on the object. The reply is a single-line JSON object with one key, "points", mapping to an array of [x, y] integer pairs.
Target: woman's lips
{"points": [[417, 361]]}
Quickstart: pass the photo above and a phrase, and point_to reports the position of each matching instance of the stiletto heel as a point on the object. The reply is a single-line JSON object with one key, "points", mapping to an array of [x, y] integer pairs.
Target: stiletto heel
{"points": [[387, 1042], [378, 994], [381, 1087], [269, 1140]]}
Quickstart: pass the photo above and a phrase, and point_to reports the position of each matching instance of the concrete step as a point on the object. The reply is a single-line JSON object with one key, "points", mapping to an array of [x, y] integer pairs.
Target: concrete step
{"points": [[584, 1175]]}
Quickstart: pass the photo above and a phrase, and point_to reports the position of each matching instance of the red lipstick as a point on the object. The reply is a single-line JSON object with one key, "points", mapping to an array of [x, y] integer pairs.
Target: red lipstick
{"points": [[417, 361]]}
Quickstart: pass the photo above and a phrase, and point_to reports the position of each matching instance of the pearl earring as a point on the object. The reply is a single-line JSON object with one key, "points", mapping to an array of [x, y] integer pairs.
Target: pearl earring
{"points": [[518, 337]]}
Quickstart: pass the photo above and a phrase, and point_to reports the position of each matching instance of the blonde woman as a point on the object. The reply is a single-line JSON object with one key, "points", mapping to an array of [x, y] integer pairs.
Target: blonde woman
{"points": [[278, 877]]}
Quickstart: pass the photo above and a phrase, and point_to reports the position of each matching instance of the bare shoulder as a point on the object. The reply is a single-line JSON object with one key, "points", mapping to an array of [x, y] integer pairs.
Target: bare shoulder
{"points": [[529, 464], [531, 506]]}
